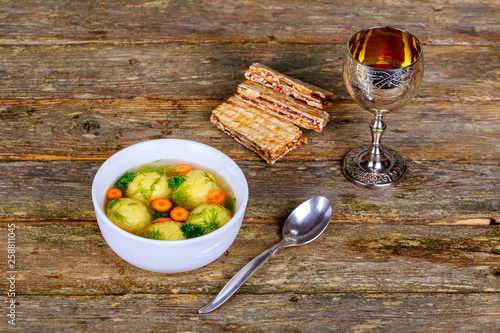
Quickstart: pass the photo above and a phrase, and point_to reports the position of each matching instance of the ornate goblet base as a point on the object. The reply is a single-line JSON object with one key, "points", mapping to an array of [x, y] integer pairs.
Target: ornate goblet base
{"points": [[381, 171]]}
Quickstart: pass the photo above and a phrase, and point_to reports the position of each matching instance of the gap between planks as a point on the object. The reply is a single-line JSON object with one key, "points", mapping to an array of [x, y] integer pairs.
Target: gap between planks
{"points": [[448, 221], [170, 41]]}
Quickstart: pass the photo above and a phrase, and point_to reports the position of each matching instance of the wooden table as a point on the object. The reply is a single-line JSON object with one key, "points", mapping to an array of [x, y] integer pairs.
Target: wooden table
{"points": [[83, 79]]}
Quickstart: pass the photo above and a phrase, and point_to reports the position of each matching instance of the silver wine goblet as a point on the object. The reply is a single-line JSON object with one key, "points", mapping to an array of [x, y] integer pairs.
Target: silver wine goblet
{"points": [[383, 69]]}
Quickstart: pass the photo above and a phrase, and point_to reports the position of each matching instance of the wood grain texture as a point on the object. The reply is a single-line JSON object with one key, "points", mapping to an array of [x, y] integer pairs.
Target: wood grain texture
{"points": [[63, 21], [432, 190], [282, 313], [84, 79], [95, 129], [213, 70], [348, 257]]}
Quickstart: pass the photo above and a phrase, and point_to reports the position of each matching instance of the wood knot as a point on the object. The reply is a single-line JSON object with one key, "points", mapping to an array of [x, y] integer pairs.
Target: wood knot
{"points": [[165, 123], [346, 121], [90, 127], [31, 111]]}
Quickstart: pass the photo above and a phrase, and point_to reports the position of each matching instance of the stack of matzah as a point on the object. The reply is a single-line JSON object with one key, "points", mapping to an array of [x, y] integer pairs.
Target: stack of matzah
{"points": [[261, 115]]}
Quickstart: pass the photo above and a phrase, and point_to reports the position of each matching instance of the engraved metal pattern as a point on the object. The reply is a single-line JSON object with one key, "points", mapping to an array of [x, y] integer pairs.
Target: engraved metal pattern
{"points": [[358, 175], [380, 91]]}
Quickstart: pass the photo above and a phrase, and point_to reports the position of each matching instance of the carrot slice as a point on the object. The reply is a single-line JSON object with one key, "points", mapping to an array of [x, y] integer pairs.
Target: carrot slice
{"points": [[183, 168], [161, 204], [162, 219], [217, 197], [113, 193], [179, 214]]}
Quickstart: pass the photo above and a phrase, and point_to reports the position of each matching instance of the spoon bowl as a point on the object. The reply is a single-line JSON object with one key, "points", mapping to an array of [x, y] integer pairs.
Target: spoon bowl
{"points": [[304, 225], [308, 221]]}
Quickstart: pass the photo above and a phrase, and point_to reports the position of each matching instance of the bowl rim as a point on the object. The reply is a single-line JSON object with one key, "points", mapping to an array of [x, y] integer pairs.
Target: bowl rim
{"points": [[238, 214]]}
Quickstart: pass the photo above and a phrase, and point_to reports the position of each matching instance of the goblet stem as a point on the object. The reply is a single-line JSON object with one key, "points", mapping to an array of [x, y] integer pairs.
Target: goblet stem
{"points": [[377, 127], [374, 159]]}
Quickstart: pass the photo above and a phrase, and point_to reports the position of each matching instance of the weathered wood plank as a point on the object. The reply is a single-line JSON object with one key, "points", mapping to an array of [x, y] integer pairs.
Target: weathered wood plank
{"points": [[212, 71], [96, 129], [300, 312], [83, 79], [56, 21], [348, 257], [432, 190]]}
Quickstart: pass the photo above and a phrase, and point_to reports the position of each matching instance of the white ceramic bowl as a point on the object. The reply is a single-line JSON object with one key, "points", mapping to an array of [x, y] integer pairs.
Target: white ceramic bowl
{"points": [[169, 256]]}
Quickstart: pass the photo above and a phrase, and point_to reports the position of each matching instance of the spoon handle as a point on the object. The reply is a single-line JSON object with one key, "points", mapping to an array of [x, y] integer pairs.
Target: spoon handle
{"points": [[237, 280]]}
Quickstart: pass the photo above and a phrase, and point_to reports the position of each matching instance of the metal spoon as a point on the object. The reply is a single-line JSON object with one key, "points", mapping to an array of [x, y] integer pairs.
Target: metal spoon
{"points": [[303, 226]]}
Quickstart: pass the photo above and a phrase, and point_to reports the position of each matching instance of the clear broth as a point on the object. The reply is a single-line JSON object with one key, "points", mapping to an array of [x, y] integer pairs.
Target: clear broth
{"points": [[165, 164]]}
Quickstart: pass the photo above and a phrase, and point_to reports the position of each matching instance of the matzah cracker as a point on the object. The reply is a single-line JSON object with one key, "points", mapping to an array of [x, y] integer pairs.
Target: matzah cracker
{"points": [[290, 86], [267, 135], [283, 106]]}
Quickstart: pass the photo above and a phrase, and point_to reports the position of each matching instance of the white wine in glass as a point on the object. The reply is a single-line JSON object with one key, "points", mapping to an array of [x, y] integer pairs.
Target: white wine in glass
{"points": [[383, 69]]}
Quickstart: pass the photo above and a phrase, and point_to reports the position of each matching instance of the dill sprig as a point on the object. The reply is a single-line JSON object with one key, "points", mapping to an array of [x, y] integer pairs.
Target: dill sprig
{"points": [[114, 212], [155, 234], [208, 178], [147, 192], [181, 196], [207, 218]]}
